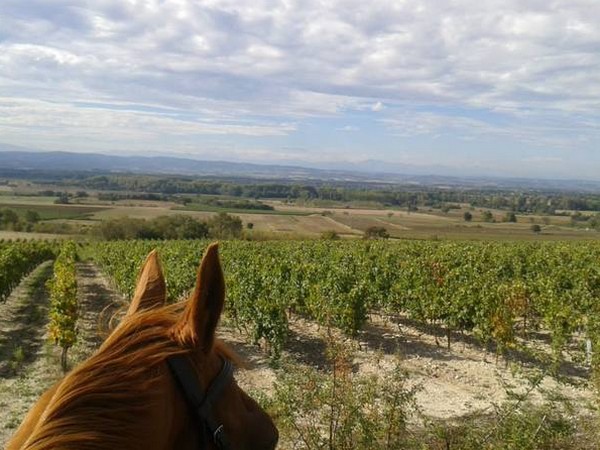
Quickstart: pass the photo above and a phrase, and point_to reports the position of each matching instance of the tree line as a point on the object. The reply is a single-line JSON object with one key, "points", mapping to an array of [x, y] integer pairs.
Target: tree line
{"points": [[220, 226], [382, 193]]}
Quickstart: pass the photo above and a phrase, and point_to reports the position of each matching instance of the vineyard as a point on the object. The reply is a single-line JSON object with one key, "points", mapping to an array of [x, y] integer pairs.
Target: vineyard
{"points": [[63, 300], [496, 292], [505, 297], [18, 259]]}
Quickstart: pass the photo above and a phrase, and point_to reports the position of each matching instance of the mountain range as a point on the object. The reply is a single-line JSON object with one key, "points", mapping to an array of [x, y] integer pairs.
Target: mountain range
{"points": [[19, 159]]}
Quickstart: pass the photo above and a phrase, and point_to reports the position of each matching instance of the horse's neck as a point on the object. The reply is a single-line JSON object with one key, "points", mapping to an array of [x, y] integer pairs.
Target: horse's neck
{"points": [[154, 431]]}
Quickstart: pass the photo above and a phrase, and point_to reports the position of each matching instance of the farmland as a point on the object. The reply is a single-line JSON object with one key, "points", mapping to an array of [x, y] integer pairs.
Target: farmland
{"points": [[295, 220], [467, 315], [464, 316]]}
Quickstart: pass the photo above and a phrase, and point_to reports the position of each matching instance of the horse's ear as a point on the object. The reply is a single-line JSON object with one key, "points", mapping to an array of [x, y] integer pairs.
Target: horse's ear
{"points": [[151, 290], [197, 325]]}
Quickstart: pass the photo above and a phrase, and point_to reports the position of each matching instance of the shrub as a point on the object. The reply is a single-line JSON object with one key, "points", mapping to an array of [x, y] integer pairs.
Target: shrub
{"points": [[330, 235], [164, 227], [340, 409], [225, 226], [487, 216], [375, 232]]}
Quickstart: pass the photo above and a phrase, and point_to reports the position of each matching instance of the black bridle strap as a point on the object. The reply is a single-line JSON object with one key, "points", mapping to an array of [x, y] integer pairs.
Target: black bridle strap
{"points": [[202, 402]]}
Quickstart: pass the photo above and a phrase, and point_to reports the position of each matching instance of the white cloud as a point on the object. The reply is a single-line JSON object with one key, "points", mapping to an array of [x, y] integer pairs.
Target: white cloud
{"points": [[51, 125], [348, 128], [251, 69], [377, 107], [544, 159]]}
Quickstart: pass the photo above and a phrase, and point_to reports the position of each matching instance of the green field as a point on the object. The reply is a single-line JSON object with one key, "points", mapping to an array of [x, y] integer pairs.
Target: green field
{"points": [[210, 208], [52, 212], [289, 220], [7, 200]]}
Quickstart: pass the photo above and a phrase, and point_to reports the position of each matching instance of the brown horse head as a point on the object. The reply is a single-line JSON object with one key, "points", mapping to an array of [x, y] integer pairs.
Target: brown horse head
{"points": [[126, 397]]}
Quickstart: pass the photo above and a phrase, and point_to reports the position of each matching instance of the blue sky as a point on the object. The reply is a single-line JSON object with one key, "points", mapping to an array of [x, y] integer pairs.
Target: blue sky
{"points": [[496, 87]]}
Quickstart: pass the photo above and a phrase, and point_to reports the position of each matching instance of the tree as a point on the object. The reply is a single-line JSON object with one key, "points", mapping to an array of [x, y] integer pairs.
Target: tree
{"points": [[63, 199], [467, 216], [9, 218], [116, 229], [178, 227], [510, 217], [487, 216], [536, 228], [330, 235], [163, 227], [376, 233], [225, 226], [190, 228], [32, 216]]}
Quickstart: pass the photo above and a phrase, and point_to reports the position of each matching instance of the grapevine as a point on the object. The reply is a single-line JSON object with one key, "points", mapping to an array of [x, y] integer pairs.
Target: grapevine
{"points": [[496, 291], [63, 301]]}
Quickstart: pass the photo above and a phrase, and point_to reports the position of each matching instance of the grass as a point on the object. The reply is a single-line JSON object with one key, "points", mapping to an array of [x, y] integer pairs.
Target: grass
{"points": [[25, 200], [311, 221], [419, 225], [144, 212], [52, 212], [211, 208], [312, 225]]}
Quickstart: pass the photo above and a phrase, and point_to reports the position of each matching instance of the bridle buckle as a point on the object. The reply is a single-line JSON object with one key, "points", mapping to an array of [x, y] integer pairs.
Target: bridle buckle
{"points": [[218, 435]]}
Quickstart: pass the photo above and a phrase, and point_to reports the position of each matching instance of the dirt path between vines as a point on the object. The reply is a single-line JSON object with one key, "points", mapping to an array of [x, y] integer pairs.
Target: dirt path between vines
{"points": [[454, 382], [24, 353], [29, 362], [451, 383]]}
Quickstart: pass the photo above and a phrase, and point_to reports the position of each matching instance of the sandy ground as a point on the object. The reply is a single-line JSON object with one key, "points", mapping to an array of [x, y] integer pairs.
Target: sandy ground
{"points": [[23, 324], [28, 364], [451, 383], [465, 378]]}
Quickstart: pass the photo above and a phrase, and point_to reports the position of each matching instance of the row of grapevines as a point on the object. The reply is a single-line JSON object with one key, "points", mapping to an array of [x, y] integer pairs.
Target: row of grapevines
{"points": [[493, 290], [18, 259], [63, 300]]}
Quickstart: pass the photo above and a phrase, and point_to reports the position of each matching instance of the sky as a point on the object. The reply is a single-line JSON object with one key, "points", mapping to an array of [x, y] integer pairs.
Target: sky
{"points": [[493, 87]]}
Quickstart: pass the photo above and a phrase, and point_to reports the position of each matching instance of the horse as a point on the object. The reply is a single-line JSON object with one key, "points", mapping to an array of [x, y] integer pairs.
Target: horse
{"points": [[161, 380]]}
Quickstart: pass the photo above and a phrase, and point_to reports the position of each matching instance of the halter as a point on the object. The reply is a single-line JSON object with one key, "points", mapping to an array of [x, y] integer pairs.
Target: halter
{"points": [[201, 402]]}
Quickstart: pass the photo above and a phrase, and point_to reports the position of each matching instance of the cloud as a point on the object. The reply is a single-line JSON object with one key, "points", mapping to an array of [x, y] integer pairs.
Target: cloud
{"points": [[377, 107], [52, 125], [259, 69], [544, 159]]}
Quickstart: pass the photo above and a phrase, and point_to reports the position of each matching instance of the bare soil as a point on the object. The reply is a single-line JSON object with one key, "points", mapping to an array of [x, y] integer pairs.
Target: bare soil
{"points": [[29, 362], [451, 383]]}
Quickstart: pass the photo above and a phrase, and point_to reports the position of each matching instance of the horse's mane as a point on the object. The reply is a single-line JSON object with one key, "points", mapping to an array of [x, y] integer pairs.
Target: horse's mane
{"points": [[98, 405]]}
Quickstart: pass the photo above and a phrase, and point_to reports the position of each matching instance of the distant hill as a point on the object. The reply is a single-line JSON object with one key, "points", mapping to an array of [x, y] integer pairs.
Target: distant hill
{"points": [[16, 159], [94, 162], [29, 160]]}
